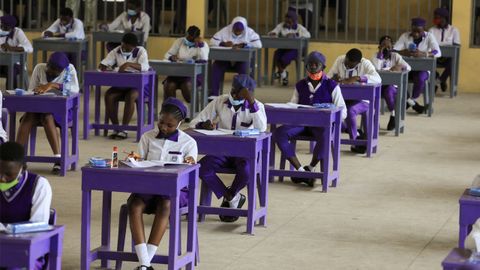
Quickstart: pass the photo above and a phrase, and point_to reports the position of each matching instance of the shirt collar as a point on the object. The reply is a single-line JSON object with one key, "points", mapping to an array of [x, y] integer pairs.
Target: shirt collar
{"points": [[172, 137]]}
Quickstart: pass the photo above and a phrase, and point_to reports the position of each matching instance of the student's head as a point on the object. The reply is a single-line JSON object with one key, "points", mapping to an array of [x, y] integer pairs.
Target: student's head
{"points": [[57, 62], [291, 19], [193, 32], [239, 24], [418, 27], [172, 114], [240, 82], [385, 42], [12, 160], [66, 16], [7, 23], [129, 42], [353, 58], [440, 17], [315, 65], [134, 7]]}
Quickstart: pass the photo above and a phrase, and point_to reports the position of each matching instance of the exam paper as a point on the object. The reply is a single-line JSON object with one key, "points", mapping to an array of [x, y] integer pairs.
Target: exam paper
{"points": [[215, 132]]}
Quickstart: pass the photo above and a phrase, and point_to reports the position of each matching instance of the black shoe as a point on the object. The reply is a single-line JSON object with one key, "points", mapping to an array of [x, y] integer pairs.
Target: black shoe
{"points": [[276, 75], [143, 267], [418, 108], [226, 204], [407, 106], [298, 180], [56, 169], [359, 149], [361, 134], [391, 123], [443, 86], [285, 80]]}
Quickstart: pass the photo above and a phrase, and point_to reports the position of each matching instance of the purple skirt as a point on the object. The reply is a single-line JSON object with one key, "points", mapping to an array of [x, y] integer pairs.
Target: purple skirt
{"points": [[151, 200]]}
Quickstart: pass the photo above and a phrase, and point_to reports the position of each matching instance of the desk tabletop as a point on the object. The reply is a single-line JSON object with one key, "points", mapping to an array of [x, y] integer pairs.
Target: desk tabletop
{"points": [[227, 138], [59, 40], [30, 237], [168, 170], [10, 97]]}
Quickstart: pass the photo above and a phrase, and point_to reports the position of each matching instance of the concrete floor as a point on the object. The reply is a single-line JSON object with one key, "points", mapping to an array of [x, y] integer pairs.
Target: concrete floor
{"points": [[396, 210]]}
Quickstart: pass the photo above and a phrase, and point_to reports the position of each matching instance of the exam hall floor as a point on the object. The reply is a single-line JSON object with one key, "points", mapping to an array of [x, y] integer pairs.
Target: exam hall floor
{"points": [[396, 210]]}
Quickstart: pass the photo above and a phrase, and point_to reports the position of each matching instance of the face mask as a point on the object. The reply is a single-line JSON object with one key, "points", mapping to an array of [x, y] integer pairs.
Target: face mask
{"points": [[9, 185], [315, 76], [188, 43], [126, 54], [131, 12], [4, 33], [235, 102]]}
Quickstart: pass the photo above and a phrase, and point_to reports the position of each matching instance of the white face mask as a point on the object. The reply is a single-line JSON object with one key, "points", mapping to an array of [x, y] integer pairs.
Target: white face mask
{"points": [[235, 102], [125, 54], [4, 33]]}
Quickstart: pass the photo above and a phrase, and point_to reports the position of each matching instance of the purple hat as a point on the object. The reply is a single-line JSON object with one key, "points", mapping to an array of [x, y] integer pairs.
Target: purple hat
{"points": [[177, 103], [243, 81], [442, 12], [419, 22], [238, 26], [59, 60], [292, 15], [8, 20], [316, 57]]}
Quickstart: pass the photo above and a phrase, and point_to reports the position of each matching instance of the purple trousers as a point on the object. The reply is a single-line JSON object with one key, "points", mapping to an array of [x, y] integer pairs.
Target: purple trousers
{"points": [[72, 57], [284, 57], [40, 264], [354, 108], [218, 73], [210, 165], [389, 93], [285, 133], [447, 64], [419, 78]]}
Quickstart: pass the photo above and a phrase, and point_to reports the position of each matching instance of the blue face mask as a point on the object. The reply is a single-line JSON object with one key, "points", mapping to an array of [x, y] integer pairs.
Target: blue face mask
{"points": [[188, 43], [4, 33], [235, 102], [131, 12]]}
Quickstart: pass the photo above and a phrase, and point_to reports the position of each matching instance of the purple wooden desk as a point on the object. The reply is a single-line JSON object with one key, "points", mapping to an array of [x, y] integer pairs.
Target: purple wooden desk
{"points": [[59, 105], [157, 180], [469, 213], [458, 259], [329, 119], [23, 250], [128, 80], [256, 150], [372, 93]]}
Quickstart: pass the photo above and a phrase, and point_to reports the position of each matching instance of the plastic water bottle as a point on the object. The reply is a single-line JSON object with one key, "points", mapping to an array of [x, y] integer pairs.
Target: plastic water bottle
{"points": [[67, 83], [412, 47]]}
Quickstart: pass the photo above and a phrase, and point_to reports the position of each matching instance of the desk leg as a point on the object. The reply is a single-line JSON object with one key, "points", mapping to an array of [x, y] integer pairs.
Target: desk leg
{"points": [[252, 187], [94, 54], [453, 75], [64, 144], [404, 100], [106, 220], [192, 218], [141, 111], [336, 147], [376, 118], [74, 153], [272, 153], [86, 110], [193, 96], [12, 125], [299, 61], [265, 68], [55, 255], [259, 67], [86, 213], [79, 64], [325, 162], [174, 220], [432, 90], [44, 57], [370, 121], [10, 73], [97, 109], [264, 173], [398, 109]]}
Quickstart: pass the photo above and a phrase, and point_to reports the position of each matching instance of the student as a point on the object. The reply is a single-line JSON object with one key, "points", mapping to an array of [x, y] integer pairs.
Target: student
{"points": [[283, 57], [445, 34], [315, 88], [189, 48], [12, 39], [348, 69], [128, 57], [25, 196], [387, 59], [237, 110], [236, 35], [165, 143], [46, 77], [417, 43]]}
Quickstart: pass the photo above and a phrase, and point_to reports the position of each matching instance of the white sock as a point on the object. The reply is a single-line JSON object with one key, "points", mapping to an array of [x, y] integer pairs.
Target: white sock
{"points": [[301, 169], [142, 254], [392, 113], [57, 155], [234, 201], [283, 74], [411, 102], [152, 249]]}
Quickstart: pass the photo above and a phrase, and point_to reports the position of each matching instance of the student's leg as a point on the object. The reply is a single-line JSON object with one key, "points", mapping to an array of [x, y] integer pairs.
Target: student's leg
{"points": [[27, 122], [218, 73], [241, 67], [282, 136], [389, 93], [160, 223], [131, 97], [287, 57], [51, 131], [419, 79], [242, 168], [320, 147], [447, 62], [112, 97], [208, 173], [186, 88], [169, 88], [354, 108], [136, 208]]}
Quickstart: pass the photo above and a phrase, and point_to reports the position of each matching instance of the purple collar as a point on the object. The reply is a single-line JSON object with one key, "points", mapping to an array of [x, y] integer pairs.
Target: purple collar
{"points": [[172, 137]]}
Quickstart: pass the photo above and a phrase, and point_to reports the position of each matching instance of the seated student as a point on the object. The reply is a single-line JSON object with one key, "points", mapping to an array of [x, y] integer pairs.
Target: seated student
{"points": [[445, 34], [417, 43], [165, 143], [315, 88], [283, 57], [12, 39], [237, 110], [189, 48], [128, 57], [236, 35], [352, 68], [25, 196], [387, 59], [46, 77]]}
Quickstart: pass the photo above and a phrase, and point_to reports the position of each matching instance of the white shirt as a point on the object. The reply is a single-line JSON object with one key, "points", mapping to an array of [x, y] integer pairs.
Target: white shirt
{"points": [[218, 111], [115, 58], [300, 32], [428, 44], [151, 148], [183, 52], [19, 39], [249, 36], [364, 69], [123, 23], [451, 35], [3, 133], [39, 77], [74, 30], [386, 64]]}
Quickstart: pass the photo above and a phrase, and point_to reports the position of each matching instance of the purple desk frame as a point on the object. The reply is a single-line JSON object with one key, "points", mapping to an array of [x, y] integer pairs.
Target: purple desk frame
{"points": [[372, 93], [256, 150], [131, 80], [23, 250], [458, 259], [311, 118], [157, 180], [58, 105], [469, 213]]}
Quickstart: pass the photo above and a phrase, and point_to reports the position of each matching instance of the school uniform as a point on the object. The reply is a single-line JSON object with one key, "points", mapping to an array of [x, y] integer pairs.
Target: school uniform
{"points": [[3, 133], [380, 62], [124, 23], [248, 37], [445, 36], [427, 43], [367, 73], [153, 146], [246, 117], [326, 91]]}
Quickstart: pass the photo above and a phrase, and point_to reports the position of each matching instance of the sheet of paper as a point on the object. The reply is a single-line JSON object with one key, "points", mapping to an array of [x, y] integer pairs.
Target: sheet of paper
{"points": [[221, 48], [53, 38], [215, 132], [288, 105], [148, 163]]}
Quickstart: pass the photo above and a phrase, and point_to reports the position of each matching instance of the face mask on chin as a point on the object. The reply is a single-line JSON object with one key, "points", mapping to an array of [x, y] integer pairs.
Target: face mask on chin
{"points": [[315, 76], [235, 102], [6, 186]]}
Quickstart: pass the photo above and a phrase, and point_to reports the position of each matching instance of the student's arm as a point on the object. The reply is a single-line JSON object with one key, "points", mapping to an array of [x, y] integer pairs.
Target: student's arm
{"points": [[400, 46], [399, 61], [207, 114], [294, 98], [370, 74], [276, 31], [117, 23], [52, 29], [338, 100], [146, 26], [434, 48], [41, 201], [254, 41], [143, 146], [172, 53], [217, 40], [23, 41], [191, 150], [110, 60], [456, 36], [203, 52], [303, 32], [143, 61], [77, 31], [34, 81], [257, 110], [377, 62], [74, 79]]}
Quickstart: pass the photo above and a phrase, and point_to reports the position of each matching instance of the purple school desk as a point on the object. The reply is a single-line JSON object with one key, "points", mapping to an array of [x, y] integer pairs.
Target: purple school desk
{"points": [[458, 259], [256, 150], [167, 181], [23, 250], [372, 93], [311, 118], [128, 80], [58, 105], [469, 213]]}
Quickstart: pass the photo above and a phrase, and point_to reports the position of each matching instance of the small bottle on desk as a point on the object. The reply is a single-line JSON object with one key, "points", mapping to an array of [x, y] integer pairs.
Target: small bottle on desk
{"points": [[115, 157]]}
